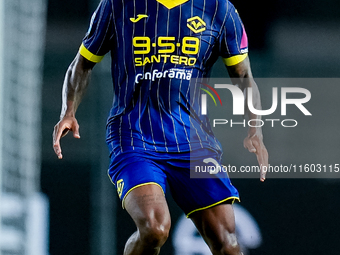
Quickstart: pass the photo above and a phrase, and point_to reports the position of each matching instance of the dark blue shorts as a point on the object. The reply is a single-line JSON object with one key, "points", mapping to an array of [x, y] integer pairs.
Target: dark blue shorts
{"points": [[133, 169]]}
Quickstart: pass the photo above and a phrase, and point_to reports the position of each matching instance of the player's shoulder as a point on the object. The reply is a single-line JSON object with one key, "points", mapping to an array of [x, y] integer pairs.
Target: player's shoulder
{"points": [[106, 4], [223, 9], [225, 4]]}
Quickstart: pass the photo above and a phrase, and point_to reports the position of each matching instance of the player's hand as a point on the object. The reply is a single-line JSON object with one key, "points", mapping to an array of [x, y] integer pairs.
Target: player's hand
{"points": [[254, 143], [61, 129]]}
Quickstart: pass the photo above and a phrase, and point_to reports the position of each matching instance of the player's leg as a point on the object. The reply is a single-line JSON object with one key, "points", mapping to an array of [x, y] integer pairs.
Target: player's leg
{"points": [[141, 183], [203, 197], [149, 210], [217, 227]]}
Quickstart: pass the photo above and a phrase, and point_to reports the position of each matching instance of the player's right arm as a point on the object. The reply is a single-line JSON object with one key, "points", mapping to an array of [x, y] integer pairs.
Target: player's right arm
{"points": [[75, 83], [96, 43]]}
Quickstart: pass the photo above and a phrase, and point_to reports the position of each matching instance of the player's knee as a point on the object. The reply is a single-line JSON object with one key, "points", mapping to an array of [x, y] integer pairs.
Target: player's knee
{"points": [[230, 250], [226, 246], [154, 233]]}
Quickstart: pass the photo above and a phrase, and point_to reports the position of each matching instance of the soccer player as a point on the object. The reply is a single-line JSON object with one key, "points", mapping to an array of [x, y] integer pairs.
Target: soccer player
{"points": [[155, 129]]}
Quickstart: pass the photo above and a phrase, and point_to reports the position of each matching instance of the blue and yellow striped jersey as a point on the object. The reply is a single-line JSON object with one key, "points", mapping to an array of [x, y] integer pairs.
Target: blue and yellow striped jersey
{"points": [[157, 47]]}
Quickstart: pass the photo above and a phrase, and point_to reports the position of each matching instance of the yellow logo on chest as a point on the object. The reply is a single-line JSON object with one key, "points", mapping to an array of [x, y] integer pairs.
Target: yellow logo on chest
{"points": [[196, 24]]}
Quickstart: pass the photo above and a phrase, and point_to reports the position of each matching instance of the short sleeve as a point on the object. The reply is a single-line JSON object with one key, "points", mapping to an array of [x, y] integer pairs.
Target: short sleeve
{"points": [[233, 41], [98, 39]]}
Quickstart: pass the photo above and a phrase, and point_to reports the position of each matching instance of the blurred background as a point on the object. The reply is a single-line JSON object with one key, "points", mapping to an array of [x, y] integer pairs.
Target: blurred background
{"points": [[69, 206]]}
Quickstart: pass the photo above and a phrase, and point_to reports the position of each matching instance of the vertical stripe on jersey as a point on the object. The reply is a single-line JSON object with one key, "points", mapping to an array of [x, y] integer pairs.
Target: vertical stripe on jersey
{"points": [[211, 52], [139, 112], [202, 61], [117, 64], [235, 31], [196, 90], [126, 75], [151, 130], [225, 29], [130, 126], [140, 87], [150, 84], [211, 32], [191, 33], [110, 130], [134, 84], [97, 29], [119, 74], [181, 82], [170, 83], [158, 88]]}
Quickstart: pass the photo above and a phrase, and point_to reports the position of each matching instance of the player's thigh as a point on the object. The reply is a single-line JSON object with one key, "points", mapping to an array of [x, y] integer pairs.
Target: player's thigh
{"points": [[216, 225], [195, 192], [148, 208], [141, 185]]}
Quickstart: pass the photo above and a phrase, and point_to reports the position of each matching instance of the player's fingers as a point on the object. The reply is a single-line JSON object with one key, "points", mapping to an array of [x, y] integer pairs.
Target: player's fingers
{"points": [[262, 158], [262, 155], [248, 144], [263, 168], [56, 141], [76, 130], [65, 132], [263, 174]]}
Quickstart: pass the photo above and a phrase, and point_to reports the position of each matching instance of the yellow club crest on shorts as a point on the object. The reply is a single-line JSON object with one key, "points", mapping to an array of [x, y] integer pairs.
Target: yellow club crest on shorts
{"points": [[120, 186], [196, 24]]}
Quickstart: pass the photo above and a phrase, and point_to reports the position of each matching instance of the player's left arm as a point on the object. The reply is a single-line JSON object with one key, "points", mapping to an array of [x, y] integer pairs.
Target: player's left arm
{"points": [[240, 74]]}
